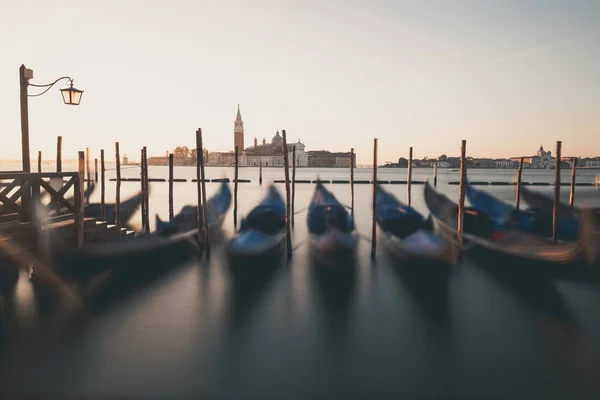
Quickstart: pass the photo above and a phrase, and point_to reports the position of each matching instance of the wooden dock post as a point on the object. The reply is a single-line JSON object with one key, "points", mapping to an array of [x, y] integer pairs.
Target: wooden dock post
{"points": [[118, 190], [409, 179], [461, 193], [260, 173], [286, 166], [143, 188], [352, 182], [39, 162], [435, 164], [79, 218], [171, 186], [573, 173], [556, 192], [146, 190], [293, 182], [102, 187], [235, 187], [374, 227], [96, 170], [59, 154], [202, 183], [519, 175], [88, 179]]}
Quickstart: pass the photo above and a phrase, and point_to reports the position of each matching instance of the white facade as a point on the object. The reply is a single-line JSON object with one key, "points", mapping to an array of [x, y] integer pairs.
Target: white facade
{"points": [[505, 164]]}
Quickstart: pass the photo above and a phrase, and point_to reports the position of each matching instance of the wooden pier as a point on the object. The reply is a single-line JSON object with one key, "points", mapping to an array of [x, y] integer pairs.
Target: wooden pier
{"points": [[24, 217]]}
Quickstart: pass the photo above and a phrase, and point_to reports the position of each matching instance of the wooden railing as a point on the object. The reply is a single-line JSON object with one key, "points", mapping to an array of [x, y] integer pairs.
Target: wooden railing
{"points": [[28, 189]]}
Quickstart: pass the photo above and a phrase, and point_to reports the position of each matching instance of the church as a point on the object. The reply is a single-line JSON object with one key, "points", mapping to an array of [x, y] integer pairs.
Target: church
{"points": [[542, 159], [267, 154]]}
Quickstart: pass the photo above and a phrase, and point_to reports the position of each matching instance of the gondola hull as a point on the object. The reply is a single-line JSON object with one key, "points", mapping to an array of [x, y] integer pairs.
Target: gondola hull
{"points": [[332, 235], [334, 247], [260, 241], [522, 253]]}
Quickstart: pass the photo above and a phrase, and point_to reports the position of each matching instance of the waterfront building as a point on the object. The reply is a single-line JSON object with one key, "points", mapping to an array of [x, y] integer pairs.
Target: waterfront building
{"points": [[542, 159], [505, 163], [327, 159]]}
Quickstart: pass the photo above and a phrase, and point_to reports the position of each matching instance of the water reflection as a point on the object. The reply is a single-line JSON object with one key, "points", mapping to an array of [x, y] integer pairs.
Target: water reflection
{"points": [[335, 292], [248, 282], [428, 285]]}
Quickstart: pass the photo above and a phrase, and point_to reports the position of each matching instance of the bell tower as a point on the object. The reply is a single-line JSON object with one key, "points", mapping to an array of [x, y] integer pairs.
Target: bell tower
{"points": [[238, 132]]}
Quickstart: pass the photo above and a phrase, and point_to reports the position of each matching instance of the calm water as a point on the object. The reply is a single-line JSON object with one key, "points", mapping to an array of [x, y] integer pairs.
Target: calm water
{"points": [[191, 333]]}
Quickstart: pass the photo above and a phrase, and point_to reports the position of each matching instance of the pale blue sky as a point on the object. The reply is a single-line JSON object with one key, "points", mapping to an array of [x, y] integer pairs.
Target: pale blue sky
{"points": [[505, 75]]}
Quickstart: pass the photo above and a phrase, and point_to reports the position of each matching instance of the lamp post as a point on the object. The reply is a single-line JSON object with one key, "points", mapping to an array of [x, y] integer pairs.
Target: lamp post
{"points": [[71, 96]]}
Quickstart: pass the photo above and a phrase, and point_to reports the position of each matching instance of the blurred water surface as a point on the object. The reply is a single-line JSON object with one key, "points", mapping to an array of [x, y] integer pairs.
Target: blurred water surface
{"points": [[372, 330]]}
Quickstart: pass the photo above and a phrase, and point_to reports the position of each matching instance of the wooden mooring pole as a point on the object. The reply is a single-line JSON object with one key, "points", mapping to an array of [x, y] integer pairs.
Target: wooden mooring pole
{"points": [[147, 190], [79, 218], [59, 154], [374, 226], [102, 187], [96, 170], [435, 164], [461, 193], [88, 179], [293, 182], [352, 182], [118, 190], [200, 158], [260, 173], [573, 173], [143, 186], [556, 192], [171, 186], [519, 176], [39, 162], [235, 187], [286, 167], [409, 179]]}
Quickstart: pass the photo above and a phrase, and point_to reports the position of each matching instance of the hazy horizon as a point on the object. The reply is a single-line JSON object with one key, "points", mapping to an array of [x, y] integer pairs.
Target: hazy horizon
{"points": [[506, 76]]}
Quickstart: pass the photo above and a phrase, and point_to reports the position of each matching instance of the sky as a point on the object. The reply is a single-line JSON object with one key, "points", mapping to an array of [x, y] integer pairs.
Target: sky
{"points": [[505, 75]]}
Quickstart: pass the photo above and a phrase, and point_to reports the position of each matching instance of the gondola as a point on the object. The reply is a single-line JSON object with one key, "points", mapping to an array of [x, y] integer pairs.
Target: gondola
{"points": [[504, 216], [333, 238], [523, 252], [135, 255], [410, 236], [126, 209], [187, 219], [546, 204], [262, 232]]}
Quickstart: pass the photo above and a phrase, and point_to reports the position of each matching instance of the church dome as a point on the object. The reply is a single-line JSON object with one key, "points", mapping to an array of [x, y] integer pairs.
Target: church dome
{"points": [[277, 139]]}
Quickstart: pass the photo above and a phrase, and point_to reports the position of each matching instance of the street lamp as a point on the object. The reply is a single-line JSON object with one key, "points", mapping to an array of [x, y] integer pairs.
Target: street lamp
{"points": [[71, 96]]}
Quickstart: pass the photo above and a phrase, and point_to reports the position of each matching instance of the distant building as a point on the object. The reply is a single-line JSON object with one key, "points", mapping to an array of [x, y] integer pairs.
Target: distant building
{"points": [[543, 159], [238, 132], [327, 159], [271, 154], [505, 163], [125, 159]]}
